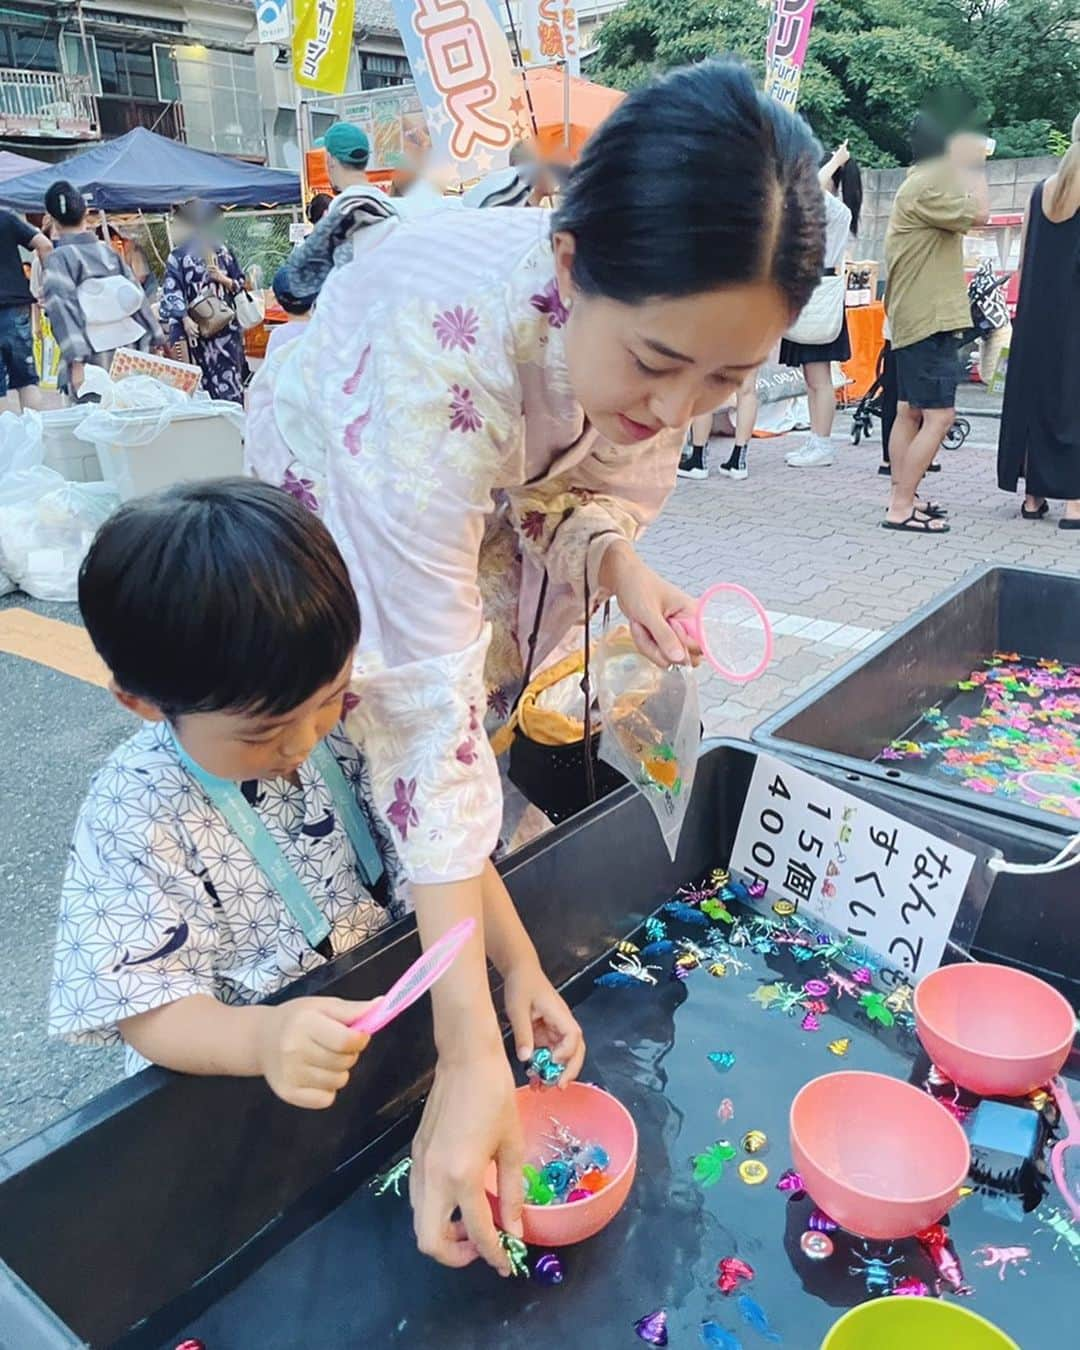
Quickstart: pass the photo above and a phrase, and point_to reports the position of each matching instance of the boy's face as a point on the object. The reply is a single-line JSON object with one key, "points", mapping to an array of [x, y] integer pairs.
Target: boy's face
{"points": [[240, 746]]}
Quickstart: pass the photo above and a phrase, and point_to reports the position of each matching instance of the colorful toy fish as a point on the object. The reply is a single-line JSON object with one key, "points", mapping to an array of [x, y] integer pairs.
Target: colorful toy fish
{"points": [[753, 1314], [722, 1060], [709, 1166], [652, 1328], [685, 913], [714, 1335]]}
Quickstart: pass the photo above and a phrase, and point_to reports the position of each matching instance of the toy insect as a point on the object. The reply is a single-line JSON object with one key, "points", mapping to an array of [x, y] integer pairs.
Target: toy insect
{"points": [[789, 1000], [516, 1253], [875, 1271], [631, 965], [693, 895], [627, 948], [655, 929], [899, 1001], [1003, 1258], [1062, 1227], [842, 984], [391, 1180]]}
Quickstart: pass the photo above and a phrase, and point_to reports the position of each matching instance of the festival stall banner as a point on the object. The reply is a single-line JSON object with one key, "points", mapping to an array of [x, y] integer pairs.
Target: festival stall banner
{"points": [[322, 44], [473, 98], [549, 34], [274, 20], [785, 49]]}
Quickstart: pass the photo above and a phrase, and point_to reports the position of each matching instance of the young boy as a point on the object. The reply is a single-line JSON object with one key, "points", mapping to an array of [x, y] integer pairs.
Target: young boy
{"points": [[226, 617]]}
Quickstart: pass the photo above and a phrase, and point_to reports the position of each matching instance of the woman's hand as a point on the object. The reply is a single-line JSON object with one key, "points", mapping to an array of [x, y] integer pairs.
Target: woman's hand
{"points": [[539, 1016], [470, 1118], [650, 604], [191, 328], [841, 154]]}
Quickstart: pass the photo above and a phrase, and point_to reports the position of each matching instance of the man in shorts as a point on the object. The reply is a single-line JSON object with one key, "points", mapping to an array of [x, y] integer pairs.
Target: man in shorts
{"points": [[18, 373], [942, 197]]}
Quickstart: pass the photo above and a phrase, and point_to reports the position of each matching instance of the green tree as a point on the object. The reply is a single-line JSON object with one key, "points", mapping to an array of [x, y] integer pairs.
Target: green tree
{"points": [[871, 64]]}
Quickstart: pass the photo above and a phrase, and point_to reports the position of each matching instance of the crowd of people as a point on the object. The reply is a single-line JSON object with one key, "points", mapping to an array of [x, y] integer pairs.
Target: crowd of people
{"points": [[473, 415]]}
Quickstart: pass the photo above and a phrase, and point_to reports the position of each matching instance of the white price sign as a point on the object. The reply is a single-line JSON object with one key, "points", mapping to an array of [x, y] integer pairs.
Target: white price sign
{"points": [[891, 886]]}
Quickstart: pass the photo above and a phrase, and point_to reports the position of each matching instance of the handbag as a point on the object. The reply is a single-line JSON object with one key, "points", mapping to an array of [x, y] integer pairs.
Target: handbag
{"points": [[561, 780], [250, 310], [210, 314], [822, 317]]}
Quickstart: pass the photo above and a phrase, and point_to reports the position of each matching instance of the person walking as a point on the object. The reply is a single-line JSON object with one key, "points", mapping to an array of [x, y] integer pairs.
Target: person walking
{"points": [[202, 278], [926, 300], [18, 371], [842, 184], [1039, 439], [94, 303]]}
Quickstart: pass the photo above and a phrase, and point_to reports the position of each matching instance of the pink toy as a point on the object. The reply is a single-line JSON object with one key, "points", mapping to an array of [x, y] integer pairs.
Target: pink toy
{"points": [[1052, 791], [1003, 1258], [733, 631], [879, 1156], [593, 1115], [991, 1029], [1065, 1172], [418, 979]]}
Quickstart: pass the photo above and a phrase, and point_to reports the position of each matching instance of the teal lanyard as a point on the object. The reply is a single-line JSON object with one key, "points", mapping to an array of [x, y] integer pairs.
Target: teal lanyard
{"points": [[275, 867]]}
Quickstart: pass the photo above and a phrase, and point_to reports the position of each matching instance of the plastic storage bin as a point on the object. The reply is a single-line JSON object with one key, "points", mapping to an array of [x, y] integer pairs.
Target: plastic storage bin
{"points": [[63, 451], [194, 443]]}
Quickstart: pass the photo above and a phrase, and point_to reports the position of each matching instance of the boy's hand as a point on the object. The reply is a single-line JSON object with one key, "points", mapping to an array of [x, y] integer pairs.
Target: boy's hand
{"points": [[539, 1016], [306, 1049]]}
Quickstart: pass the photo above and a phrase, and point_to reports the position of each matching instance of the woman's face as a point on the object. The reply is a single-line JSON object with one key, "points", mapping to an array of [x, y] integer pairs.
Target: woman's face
{"points": [[637, 369]]}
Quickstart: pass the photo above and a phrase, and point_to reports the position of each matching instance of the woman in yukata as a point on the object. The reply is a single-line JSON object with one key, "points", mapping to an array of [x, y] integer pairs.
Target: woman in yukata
{"points": [[486, 400], [201, 262]]}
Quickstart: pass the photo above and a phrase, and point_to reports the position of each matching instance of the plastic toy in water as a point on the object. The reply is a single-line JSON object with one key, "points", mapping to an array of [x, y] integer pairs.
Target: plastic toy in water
{"points": [[1065, 1155], [1003, 1258], [713, 1334], [729, 1271], [429, 966], [875, 1270], [391, 1180], [543, 1069], [652, 1328], [733, 631]]}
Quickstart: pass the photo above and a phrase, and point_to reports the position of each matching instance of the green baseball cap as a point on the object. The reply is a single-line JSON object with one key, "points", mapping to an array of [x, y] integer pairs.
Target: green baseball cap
{"points": [[346, 143]]}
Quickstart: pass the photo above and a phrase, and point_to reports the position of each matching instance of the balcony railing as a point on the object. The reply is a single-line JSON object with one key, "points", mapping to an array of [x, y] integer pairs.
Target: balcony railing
{"points": [[45, 105]]}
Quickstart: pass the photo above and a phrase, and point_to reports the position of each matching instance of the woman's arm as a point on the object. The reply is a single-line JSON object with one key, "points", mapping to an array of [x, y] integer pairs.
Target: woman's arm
{"points": [[836, 160]]}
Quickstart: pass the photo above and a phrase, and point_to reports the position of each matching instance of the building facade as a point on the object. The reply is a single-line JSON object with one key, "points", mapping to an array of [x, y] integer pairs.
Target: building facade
{"points": [[79, 71]]}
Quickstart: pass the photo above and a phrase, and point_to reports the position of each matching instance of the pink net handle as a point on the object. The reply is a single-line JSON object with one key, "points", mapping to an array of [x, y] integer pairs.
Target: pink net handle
{"points": [[1038, 783], [694, 627], [1071, 1121], [418, 979]]}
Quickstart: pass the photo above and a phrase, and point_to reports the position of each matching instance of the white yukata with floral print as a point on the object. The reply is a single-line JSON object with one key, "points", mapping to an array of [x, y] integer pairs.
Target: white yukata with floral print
{"points": [[427, 414], [162, 900]]}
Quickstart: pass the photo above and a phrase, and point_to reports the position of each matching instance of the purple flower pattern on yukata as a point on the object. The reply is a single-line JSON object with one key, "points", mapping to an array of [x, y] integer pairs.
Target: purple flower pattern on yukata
{"points": [[497, 701], [303, 489], [354, 433], [352, 384], [532, 524], [456, 328], [463, 414], [349, 702], [401, 813], [466, 752], [549, 302]]}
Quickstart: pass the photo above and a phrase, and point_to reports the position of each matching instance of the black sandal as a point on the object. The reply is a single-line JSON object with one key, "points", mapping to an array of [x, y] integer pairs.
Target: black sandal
{"points": [[913, 525], [1069, 523], [1038, 513]]}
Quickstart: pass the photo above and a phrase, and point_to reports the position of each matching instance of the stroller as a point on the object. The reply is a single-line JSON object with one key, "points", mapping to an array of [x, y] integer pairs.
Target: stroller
{"points": [[880, 401]]}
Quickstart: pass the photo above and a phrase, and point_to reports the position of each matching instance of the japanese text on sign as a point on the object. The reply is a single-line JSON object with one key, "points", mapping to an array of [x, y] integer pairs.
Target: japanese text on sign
{"points": [[461, 64], [550, 33], [322, 43], [891, 886], [785, 49]]}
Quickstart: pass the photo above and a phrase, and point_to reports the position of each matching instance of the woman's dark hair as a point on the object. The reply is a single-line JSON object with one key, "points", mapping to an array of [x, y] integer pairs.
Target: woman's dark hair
{"points": [[848, 182], [226, 595], [64, 202], [696, 181], [318, 207]]}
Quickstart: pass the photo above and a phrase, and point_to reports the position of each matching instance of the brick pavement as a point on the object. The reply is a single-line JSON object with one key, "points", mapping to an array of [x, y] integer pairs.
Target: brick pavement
{"points": [[808, 542]]}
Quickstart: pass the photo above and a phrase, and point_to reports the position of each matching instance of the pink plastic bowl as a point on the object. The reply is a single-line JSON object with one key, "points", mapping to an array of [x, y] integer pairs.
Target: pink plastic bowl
{"points": [[594, 1116], [993, 1030], [877, 1155]]}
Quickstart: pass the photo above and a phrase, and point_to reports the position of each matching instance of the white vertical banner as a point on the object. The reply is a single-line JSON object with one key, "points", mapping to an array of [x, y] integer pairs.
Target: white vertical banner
{"points": [[274, 20], [549, 34]]}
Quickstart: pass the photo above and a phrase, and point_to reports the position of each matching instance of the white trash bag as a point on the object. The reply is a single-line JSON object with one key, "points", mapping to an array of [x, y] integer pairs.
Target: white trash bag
{"points": [[46, 523], [651, 728]]}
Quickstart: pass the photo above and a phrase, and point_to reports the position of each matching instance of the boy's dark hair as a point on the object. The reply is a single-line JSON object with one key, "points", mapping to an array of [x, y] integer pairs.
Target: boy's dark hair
{"points": [[219, 596], [318, 207], [64, 202]]}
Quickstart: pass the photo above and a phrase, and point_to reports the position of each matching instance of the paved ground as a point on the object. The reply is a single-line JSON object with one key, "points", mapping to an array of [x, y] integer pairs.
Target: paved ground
{"points": [[807, 541]]}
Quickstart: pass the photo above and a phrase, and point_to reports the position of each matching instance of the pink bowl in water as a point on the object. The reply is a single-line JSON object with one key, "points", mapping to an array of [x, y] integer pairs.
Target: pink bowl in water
{"points": [[595, 1117], [880, 1157], [993, 1030]]}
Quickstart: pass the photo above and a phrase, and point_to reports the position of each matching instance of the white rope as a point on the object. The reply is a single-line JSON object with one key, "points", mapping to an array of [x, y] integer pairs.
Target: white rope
{"points": [[1068, 857]]}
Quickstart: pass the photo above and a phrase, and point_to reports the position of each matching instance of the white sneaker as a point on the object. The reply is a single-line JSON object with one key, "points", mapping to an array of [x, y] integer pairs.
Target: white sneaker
{"points": [[817, 454]]}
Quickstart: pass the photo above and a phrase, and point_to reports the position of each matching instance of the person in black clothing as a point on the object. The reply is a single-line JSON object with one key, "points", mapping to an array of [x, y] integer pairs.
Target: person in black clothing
{"points": [[18, 372]]}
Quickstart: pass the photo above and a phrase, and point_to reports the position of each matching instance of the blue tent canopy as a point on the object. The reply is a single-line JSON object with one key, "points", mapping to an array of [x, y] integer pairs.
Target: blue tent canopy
{"points": [[146, 172]]}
